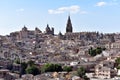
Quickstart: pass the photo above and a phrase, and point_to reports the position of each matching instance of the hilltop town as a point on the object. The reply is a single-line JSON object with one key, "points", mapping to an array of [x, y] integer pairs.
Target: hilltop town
{"points": [[27, 55]]}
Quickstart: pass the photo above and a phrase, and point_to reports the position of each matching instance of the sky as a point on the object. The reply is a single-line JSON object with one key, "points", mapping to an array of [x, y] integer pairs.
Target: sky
{"points": [[86, 15]]}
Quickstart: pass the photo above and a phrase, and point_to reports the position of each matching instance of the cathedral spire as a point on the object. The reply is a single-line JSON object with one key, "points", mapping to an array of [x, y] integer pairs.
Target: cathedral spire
{"points": [[69, 25]]}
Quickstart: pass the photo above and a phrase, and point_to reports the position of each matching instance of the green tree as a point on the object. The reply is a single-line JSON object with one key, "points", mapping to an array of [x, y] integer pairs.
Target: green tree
{"points": [[51, 67], [32, 70], [57, 67], [94, 52], [17, 61], [117, 60], [31, 63], [23, 67], [118, 67], [67, 68], [81, 72], [117, 63], [98, 50]]}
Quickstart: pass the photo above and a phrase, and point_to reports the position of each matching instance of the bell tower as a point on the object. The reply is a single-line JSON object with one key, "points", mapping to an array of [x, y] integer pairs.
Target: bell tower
{"points": [[69, 26]]}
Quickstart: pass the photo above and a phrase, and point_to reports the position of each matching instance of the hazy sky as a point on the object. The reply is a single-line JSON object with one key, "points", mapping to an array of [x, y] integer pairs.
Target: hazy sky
{"points": [[86, 15]]}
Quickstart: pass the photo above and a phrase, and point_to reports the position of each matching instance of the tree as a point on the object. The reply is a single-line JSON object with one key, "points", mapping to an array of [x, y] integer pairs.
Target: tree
{"points": [[17, 61], [32, 70], [94, 52], [51, 67], [81, 72], [99, 50], [47, 68], [117, 60], [23, 67], [118, 67], [30, 63], [57, 67], [67, 68], [117, 63]]}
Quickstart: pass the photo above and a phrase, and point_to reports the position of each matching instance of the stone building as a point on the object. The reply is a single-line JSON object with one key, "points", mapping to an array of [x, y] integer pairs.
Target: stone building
{"points": [[105, 70], [49, 31], [37, 31], [23, 33], [114, 45]]}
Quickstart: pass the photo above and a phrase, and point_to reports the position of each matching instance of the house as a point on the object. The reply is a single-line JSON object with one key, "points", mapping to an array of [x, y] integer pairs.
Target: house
{"points": [[6, 75], [27, 77], [74, 63], [75, 78], [104, 71]]}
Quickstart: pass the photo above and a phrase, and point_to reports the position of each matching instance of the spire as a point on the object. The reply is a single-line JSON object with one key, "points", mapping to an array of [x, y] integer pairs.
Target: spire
{"points": [[69, 20], [69, 25], [47, 28], [60, 34], [47, 25], [24, 28]]}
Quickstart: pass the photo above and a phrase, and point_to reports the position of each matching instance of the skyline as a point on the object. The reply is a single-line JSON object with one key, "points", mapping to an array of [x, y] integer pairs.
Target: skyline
{"points": [[86, 15]]}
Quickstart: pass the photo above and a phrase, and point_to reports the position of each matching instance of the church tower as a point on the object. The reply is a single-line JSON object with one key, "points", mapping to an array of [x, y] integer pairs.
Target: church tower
{"points": [[49, 30], [69, 25]]}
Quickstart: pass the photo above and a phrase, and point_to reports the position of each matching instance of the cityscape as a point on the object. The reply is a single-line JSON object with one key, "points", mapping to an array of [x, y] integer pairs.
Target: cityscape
{"points": [[69, 52], [43, 55]]}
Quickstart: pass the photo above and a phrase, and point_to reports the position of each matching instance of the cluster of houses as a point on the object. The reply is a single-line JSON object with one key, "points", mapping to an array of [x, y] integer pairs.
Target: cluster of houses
{"points": [[70, 49]]}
